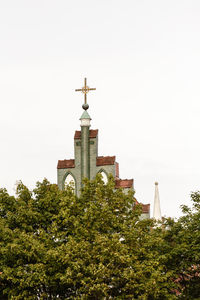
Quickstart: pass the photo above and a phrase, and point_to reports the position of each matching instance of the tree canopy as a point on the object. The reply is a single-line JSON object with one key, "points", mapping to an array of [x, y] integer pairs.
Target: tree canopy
{"points": [[55, 245]]}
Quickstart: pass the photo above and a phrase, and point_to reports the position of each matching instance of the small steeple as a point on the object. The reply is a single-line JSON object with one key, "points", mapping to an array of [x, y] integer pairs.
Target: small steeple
{"points": [[156, 209], [85, 119]]}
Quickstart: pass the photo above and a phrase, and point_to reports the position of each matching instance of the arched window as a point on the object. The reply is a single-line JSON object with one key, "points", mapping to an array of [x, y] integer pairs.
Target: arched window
{"points": [[104, 177], [69, 180]]}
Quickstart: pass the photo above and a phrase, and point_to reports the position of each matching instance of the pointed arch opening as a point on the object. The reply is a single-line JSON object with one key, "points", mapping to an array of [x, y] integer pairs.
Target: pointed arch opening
{"points": [[69, 181], [104, 176]]}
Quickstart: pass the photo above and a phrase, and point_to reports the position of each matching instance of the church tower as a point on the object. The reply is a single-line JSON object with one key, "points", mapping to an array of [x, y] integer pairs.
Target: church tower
{"points": [[87, 163]]}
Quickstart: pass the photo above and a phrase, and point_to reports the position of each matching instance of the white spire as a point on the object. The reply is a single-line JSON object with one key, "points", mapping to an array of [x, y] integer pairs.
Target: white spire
{"points": [[156, 209]]}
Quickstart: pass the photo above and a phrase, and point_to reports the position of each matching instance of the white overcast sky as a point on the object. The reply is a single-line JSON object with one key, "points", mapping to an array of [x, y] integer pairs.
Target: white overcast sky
{"points": [[144, 59]]}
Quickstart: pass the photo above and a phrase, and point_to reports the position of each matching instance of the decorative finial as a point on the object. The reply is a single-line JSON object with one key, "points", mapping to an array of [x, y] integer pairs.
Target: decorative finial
{"points": [[85, 89]]}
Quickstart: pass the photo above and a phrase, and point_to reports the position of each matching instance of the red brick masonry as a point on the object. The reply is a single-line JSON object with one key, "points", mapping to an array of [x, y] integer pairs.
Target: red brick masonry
{"points": [[66, 163], [105, 160], [93, 134], [145, 207], [123, 183], [117, 170], [101, 161]]}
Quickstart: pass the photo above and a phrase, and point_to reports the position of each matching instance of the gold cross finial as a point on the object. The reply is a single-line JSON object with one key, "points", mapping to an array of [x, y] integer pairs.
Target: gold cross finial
{"points": [[85, 89]]}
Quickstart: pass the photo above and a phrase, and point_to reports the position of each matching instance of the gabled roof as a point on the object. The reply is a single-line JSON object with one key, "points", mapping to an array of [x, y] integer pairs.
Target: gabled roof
{"points": [[93, 134], [66, 163], [105, 160], [123, 183]]}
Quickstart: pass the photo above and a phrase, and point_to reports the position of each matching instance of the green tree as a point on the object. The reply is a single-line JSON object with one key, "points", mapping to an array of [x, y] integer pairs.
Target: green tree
{"points": [[182, 252], [54, 245]]}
